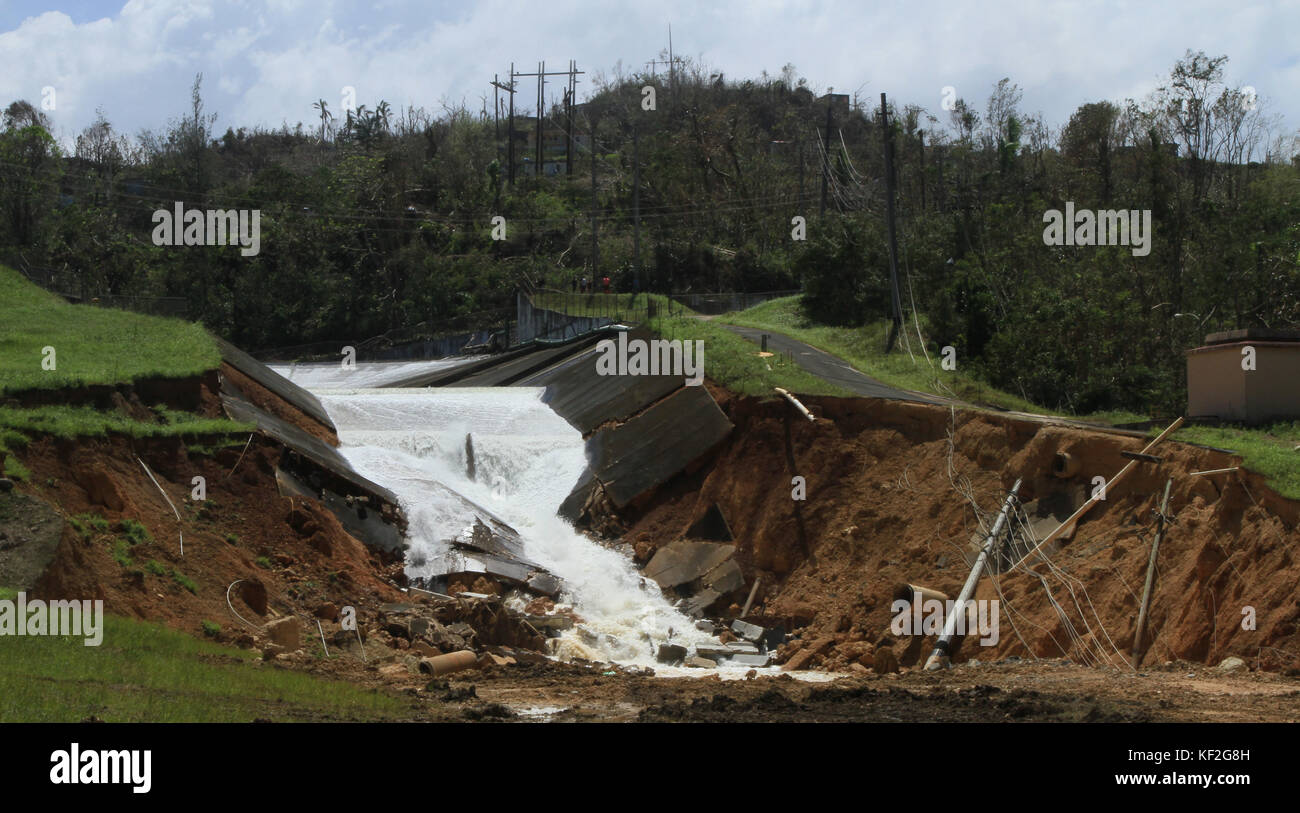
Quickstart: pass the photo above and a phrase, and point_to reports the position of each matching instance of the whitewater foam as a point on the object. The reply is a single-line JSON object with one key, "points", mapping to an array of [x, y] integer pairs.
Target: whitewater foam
{"points": [[526, 461]]}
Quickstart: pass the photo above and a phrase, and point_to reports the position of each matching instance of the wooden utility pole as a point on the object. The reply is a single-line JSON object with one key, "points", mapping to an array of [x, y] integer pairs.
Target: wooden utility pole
{"points": [[541, 74], [920, 138], [568, 110], [826, 149], [896, 303], [541, 115], [636, 212], [510, 128], [595, 243], [1138, 651], [801, 192]]}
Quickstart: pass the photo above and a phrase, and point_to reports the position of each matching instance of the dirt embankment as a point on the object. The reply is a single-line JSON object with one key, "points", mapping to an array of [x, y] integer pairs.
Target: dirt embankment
{"points": [[887, 502], [294, 551]]}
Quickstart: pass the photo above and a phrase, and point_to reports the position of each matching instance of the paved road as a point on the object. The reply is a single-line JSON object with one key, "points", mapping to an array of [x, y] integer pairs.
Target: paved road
{"points": [[831, 369]]}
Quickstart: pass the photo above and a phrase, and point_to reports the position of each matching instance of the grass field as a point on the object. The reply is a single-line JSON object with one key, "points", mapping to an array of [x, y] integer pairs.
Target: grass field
{"points": [[144, 672], [92, 345], [729, 360], [1267, 450], [864, 348]]}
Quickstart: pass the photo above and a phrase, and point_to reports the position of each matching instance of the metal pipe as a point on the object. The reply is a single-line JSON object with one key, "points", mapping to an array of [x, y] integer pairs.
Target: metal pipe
{"points": [[1151, 574], [912, 593], [796, 403], [1213, 471], [1065, 465], [446, 664], [939, 657], [753, 591]]}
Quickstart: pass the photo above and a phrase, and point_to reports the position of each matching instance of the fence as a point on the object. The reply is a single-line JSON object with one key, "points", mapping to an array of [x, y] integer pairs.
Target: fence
{"points": [[713, 304]]}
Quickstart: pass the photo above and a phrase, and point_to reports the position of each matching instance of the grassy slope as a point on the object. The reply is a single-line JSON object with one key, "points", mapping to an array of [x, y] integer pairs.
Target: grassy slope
{"points": [[92, 345], [863, 347], [729, 360], [1268, 450], [144, 672]]}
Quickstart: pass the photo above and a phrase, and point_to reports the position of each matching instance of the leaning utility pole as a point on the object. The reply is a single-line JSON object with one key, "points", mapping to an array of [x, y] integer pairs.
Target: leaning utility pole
{"points": [[895, 301], [940, 658], [1138, 649]]}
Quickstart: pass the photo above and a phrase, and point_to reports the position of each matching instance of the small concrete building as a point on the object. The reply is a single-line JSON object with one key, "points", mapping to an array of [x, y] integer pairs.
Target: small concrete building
{"points": [[1221, 383]]}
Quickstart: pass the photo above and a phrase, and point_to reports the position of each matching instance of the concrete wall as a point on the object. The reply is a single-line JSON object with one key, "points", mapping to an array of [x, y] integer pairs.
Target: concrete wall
{"points": [[1217, 386], [538, 323]]}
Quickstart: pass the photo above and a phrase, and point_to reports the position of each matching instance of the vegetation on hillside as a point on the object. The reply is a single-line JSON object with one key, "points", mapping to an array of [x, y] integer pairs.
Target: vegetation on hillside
{"points": [[375, 220]]}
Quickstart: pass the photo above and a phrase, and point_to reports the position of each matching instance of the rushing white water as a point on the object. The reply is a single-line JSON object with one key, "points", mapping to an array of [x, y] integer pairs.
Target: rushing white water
{"points": [[527, 460], [332, 374]]}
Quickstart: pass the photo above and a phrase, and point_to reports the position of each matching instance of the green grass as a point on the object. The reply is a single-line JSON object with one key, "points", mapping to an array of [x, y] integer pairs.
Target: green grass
{"points": [[864, 348], [144, 672], [134, 531], [185, 581], [92, 345], [729, 360], [1266, 450], [84, 421]]}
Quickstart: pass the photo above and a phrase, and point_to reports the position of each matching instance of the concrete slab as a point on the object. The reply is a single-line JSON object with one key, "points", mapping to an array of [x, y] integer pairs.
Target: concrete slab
{"points": [[273, 381], [586, 399], [649, 449], [684, 561]]}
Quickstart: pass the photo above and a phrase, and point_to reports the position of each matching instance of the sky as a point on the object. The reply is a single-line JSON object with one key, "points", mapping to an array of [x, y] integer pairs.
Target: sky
{"points": [[265, 61]]}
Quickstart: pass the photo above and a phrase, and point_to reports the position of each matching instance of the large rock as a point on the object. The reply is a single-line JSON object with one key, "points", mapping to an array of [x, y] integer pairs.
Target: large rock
{"points": [[671, 653], [285, 632], [1232, 665]]}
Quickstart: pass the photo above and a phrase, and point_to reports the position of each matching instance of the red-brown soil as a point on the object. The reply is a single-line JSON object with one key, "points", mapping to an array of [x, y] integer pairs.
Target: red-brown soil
{"points": [[882, 508], [307, 559]]}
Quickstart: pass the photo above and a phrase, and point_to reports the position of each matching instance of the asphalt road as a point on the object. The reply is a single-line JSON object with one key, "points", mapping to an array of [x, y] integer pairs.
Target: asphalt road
{"points": [[831, 369]]}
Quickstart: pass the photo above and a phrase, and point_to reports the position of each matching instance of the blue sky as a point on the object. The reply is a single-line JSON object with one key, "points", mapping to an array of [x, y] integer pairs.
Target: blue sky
{"points": [[265, 61]]}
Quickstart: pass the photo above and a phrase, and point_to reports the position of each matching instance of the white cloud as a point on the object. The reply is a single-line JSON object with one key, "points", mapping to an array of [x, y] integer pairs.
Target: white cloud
{"points": [[265, 62]]}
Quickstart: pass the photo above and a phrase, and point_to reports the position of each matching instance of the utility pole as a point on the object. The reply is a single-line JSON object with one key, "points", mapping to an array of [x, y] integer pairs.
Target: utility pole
{"points": [[826, 149], [541, 75], [896, 302], [801, 192], [568, 108], [541, 114], [636, 212], [595, 245], [510, 146], [920, 138]]}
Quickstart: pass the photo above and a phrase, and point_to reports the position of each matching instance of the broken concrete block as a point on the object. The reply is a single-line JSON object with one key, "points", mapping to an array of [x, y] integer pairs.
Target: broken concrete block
{"points": [[700, 603], [743, 647], [684, 561], [551, 623], [714, 653], [706, 626], [285, 632], [696, 662], [743, 659], [750, 632], [725, 578], [671, 653]]}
